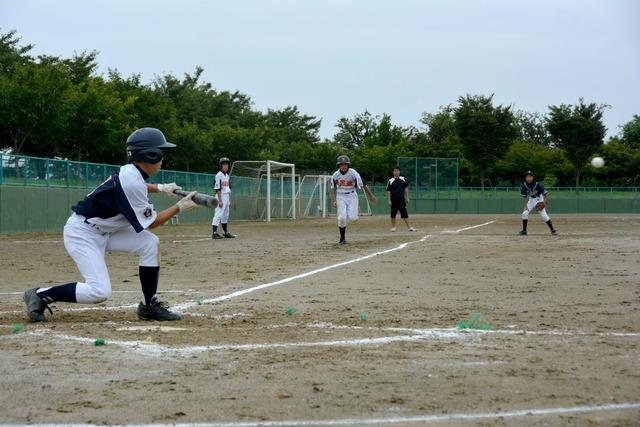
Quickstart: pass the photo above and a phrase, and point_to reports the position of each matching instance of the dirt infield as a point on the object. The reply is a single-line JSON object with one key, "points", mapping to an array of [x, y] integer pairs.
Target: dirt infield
{"points": [[371, 341]]}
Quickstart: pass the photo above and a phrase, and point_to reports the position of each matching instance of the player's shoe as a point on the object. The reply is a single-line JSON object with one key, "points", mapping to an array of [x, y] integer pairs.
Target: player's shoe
{"points": [[35, 305], [216, 236], [156, 311], [413, 229], [554, 232], [523, 232], [229, 236], [342, 242], [393, 229]]}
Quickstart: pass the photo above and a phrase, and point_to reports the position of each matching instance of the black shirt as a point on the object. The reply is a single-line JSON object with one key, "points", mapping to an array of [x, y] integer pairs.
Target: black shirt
{"points": [[396, 187]]}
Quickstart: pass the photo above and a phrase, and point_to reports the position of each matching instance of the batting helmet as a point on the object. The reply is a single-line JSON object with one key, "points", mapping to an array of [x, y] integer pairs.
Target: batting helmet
{"points": [[529, 173], [343, 160], [224, 160], [147, 145]]}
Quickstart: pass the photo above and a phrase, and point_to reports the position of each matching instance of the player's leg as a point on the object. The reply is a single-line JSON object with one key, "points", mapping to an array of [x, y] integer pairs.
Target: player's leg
{"points": [[547, 219], [404, 214], [146, 245], [394, 213], [86, 248], [224, 218], [215, 222], [525, 216], [341, 204]]}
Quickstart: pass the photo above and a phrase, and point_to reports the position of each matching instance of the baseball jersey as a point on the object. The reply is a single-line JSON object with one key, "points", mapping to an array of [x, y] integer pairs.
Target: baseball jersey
{"points": [[222, 182], [533, 190], [347, 182], [396, 187], [121, 201]]}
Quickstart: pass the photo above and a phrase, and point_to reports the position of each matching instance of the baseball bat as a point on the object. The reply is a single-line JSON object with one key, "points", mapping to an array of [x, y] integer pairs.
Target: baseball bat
{"points": [[200, 199]]}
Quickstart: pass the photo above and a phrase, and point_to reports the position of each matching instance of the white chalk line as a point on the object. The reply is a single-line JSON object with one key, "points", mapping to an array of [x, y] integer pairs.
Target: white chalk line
{"points": [[456, 416], [409, 335], [170, 291], [471, 227], [192, 240], [187, 305]]}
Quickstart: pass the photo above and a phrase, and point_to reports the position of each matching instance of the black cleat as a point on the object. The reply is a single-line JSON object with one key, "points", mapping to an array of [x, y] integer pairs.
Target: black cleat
{"points": [[35, 305], [229, 236], [554, 232], [523, 232], [156, 311], [216, 236], [342, 242]]}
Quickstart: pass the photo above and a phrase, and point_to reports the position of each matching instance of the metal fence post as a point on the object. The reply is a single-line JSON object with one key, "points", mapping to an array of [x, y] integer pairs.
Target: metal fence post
{"points": [[1, 167]]}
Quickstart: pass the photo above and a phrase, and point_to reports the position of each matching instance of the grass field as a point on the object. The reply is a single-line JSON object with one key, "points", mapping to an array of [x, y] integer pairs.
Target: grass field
{"points": [[283, 327]]}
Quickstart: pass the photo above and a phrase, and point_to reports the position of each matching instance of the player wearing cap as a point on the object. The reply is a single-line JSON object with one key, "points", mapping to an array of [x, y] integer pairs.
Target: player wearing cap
{"points": [[344, 183], [222, 187], [115, 217], [535, 197]]}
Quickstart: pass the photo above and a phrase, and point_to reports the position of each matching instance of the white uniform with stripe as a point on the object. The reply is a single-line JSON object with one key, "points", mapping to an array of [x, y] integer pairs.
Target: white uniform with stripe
{"points": [[535, 193], [222, 183], [113, 217], [346, 195]]}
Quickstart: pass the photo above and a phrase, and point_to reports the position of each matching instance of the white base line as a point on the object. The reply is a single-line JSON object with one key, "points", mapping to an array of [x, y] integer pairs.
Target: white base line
{"points": [[186, 305], [193, 240], [516, 413], [170, 291]]}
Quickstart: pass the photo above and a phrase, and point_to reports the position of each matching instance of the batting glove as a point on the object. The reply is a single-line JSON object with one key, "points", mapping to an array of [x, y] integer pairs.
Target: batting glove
{"points": [[186, 203], [168, 188]]}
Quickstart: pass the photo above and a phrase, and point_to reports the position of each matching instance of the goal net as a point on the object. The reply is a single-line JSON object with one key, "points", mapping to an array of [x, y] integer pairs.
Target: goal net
{"points": [[265, 188], [314, 198]]}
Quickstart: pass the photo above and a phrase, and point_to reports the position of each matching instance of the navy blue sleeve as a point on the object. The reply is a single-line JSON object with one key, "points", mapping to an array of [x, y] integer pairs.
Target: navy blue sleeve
{"points": [[523, 190], [543, 190]]}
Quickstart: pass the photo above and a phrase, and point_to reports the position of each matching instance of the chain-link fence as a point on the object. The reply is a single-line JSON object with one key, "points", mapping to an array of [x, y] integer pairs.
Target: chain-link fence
{"points": [[430, 177]]}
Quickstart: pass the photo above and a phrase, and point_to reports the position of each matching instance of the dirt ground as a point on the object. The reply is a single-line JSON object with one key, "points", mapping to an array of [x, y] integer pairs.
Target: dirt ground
{"points": [[371, 341]]}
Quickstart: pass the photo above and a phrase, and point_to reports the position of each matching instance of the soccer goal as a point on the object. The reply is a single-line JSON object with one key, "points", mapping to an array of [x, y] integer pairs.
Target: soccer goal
{"points": [[267, 188], [314, 198]]}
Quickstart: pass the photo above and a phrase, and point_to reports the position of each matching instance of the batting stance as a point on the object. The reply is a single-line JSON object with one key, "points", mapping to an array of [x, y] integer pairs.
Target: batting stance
{"points": [[535, 197], [344, 183], [114, 217], [222, 187]]}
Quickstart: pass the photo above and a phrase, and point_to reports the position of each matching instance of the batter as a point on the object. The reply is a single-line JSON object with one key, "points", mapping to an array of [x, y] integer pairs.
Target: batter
{"points": [[115, 217]]}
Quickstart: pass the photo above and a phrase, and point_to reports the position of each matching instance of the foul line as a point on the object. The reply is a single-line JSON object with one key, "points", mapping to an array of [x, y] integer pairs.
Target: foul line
{"points": [[186, 305], [516, 413]]}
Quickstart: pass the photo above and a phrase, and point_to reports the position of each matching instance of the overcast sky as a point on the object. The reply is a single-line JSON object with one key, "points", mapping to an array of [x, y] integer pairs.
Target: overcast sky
{"points": [[336, 58]]}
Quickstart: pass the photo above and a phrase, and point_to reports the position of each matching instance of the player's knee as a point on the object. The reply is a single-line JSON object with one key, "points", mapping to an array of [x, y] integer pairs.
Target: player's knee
{"points": [[525, 215], [99, 294]]}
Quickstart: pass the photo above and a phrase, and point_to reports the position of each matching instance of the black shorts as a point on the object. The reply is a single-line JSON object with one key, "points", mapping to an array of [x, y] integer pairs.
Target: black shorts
{"points": [[399, 206]]}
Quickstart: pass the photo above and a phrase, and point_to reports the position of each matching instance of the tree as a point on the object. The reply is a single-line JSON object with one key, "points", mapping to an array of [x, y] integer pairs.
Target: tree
{"points": [[485, 131], [352, 132], [34, 104], [527, 155], [631, 133], [11, 53], [622, 165], [531, 127], [578, 130], [439, 126]]}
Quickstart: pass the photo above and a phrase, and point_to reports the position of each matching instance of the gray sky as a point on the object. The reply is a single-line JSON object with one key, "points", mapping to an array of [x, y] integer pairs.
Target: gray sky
{"points": [[336, 58]]}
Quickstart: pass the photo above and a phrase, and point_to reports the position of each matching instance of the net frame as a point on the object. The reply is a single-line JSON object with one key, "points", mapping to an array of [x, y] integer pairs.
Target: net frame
{"points": [[260, 170]]}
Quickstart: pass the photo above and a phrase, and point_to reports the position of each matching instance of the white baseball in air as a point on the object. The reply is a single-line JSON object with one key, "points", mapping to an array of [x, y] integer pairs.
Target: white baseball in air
{"points": [[597, 162]]}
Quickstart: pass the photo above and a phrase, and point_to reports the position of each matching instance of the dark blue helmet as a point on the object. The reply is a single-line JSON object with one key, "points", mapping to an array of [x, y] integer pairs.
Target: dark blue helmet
{"points": [[147, 145], [224, 160]]}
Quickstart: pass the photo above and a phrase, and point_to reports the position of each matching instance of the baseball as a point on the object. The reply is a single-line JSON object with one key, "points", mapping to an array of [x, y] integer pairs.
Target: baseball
{"points": [[597, 162]]}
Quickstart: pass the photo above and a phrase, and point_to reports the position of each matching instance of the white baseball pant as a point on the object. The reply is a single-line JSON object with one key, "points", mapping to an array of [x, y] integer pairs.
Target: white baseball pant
{"points": [[87, 245], [347, 205], [531, 205], [221, 214]]}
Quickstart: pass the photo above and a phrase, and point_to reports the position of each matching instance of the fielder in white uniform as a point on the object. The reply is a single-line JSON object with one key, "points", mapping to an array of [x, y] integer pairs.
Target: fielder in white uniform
{"points": [[535, 197], [115, 217], [344, 183], [222, 187]]}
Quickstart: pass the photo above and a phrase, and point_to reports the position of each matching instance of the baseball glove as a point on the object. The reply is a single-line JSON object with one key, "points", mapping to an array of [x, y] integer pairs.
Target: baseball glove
{"points": [[540, 206]]}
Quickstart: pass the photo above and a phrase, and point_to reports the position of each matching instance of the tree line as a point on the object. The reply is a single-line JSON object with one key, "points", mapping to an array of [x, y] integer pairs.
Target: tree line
{"points": [[63, 108]]}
